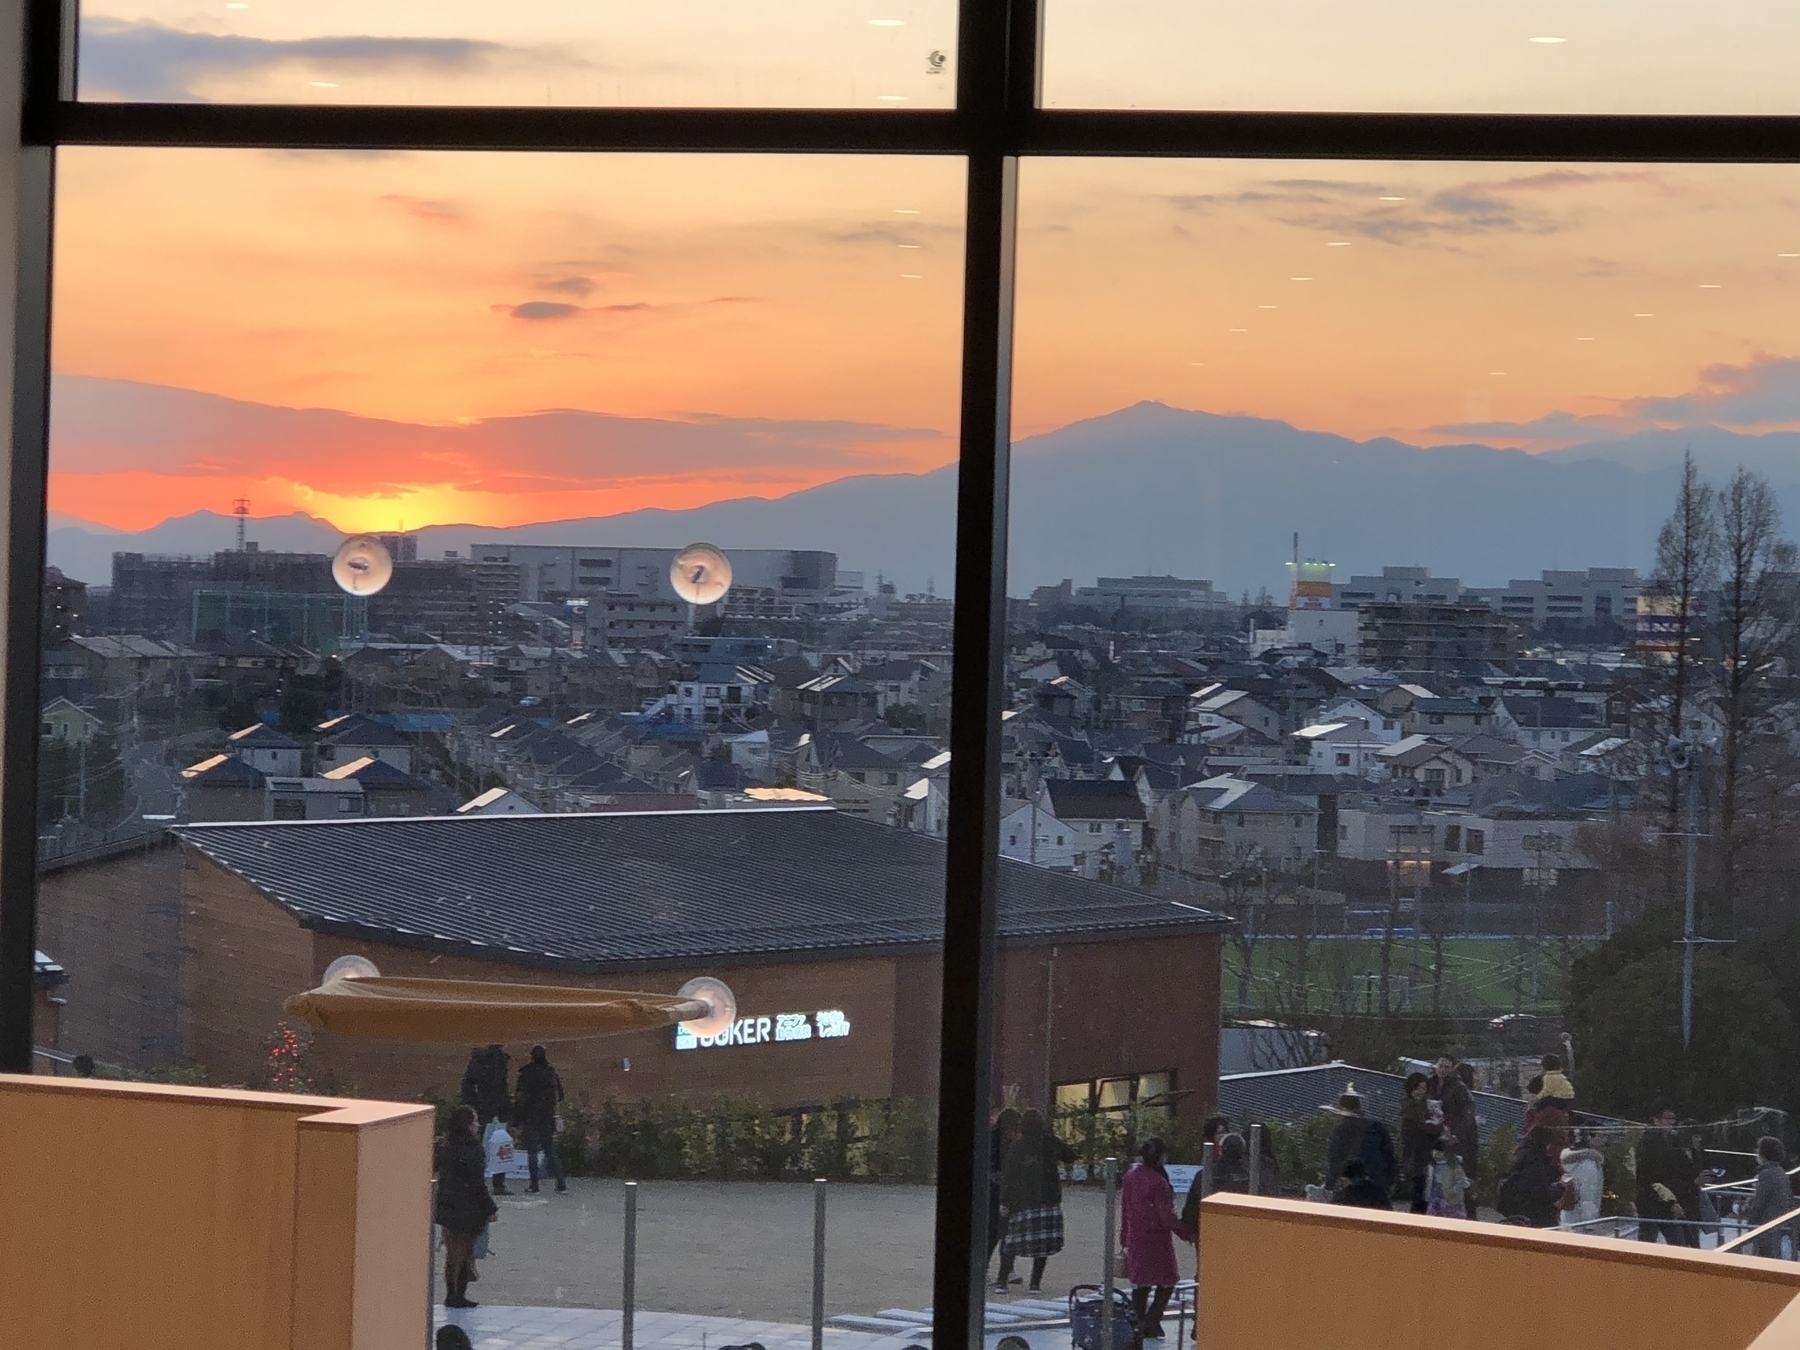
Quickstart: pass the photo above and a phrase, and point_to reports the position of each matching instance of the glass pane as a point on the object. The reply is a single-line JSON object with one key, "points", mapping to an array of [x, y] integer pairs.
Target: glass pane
{"points": [[545, 752], [1596, 56], [1346, 603], [566, 53]]}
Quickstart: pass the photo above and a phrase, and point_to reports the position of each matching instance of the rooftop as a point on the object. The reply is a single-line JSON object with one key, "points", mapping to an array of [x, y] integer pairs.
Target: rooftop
{"points": [[262, 736], [1107, 799], [590, 892]]}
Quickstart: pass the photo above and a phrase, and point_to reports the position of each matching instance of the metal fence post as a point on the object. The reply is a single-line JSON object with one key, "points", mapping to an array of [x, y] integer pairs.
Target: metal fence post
{"points": [[431, 1269], [818, 1308], [1256, 1138], [1111, 1172], [628, 1311]]}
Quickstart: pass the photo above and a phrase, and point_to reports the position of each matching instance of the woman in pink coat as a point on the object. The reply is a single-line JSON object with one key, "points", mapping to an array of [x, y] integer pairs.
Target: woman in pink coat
{"points": [[1148, 1226]]}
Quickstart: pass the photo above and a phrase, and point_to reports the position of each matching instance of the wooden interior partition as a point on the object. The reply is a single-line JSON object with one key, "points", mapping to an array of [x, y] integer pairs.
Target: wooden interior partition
{"points": [[141, 1215], [1291, 1275]]}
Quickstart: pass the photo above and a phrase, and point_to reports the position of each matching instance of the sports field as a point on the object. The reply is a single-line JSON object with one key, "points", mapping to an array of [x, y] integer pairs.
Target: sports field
{"points": [[1481, 975]]}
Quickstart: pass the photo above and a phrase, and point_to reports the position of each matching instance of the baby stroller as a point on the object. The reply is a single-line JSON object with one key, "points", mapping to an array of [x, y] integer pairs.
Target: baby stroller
{"points": [[1085, 1302]]}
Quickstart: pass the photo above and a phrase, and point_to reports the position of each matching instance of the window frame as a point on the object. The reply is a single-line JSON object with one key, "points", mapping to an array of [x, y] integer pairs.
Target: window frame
{"points": [[996, 122]]}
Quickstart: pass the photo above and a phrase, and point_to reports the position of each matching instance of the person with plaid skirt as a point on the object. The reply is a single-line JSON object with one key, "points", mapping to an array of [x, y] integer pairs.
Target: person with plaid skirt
{"points": [[1031, 1198]]}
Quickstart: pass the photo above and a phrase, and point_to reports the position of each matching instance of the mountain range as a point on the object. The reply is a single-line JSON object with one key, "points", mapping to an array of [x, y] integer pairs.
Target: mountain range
{"points": [[1151, 489]]}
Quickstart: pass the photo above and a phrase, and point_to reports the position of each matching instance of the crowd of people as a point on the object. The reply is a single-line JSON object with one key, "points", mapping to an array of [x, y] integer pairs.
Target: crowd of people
{"points": [[477, 1151], [1555, 1177]]}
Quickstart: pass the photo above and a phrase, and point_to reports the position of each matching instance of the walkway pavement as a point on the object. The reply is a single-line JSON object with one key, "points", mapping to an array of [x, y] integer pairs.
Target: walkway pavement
{"points": [[504, 1328]]}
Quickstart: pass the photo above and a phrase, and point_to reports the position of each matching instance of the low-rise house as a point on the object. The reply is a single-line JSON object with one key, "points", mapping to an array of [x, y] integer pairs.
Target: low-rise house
{"points": [[312, 799], [1380, 725], [64, 722], [861, 781], [265, 748], [1346, 747], [1545, 723], [387, 791], [751, 752], [498, 801], [343, 740], [1031, 834], [1213, 706], [1240, 824], [1106, 817], [1429, 763], [1447, 717], [1492, 755], [835, 700], [222, 787], [720, 694]]}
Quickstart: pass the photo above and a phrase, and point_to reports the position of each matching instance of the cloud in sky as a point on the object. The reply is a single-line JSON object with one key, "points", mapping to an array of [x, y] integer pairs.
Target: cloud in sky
{"points": [[422, 208], [150, 62], [546, 309], [1765, 391], [1516, 204], [170, 448], [1761, 393]]}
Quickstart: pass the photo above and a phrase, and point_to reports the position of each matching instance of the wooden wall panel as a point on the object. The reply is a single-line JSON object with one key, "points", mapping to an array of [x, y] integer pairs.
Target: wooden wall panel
{"points": [[162, 1216], [1286, 1273]]}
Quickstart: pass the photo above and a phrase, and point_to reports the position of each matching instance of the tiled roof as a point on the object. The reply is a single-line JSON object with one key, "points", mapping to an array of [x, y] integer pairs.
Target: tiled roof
{"points": [[1106, 799], [224, 771], [373, 773], [595, 891], [262, 736]]}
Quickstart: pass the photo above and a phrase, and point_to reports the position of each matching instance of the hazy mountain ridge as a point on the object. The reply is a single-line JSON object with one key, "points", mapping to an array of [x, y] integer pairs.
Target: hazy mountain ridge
{"points": [[1153, 488]]}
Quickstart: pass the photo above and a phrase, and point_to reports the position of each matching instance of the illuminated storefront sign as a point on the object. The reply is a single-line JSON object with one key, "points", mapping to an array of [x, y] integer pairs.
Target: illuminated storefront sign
{"points": [[825, 1025]]}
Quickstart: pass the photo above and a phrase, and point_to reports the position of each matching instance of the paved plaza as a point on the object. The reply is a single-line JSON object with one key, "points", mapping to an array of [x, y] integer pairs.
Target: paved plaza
{"points": [[740, 1251], [509, 1328]]}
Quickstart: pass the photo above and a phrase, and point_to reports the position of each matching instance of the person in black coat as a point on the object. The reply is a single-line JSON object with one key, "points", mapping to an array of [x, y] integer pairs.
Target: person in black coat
{"points": [[1031, 1195], [1003, 1134], [1356, 1136], [1449, 1086], [535, 1099], [1668, 1183], [1535, 1183], [1358, 1189], [464, 1207], [484, 1083]]}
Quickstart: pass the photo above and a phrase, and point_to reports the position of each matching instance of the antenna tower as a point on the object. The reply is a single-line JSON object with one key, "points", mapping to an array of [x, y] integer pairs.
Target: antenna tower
{"points": [[240, 507]]}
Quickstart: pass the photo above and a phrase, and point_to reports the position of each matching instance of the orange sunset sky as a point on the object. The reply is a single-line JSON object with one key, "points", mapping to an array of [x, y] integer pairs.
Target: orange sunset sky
{"points": [[387, 339]]}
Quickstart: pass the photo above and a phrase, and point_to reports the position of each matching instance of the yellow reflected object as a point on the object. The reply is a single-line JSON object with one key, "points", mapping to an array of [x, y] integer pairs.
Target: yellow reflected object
{"points": [[399, 1008]]}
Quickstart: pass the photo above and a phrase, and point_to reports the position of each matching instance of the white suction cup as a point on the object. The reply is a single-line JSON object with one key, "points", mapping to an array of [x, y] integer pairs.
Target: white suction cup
{"points": [[362, 566], [717, 995], [350, 968], [700, 574]]}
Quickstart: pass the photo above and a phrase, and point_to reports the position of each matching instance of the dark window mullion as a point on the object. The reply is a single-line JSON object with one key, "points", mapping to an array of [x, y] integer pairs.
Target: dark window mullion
{"points": [[354, 126], [45, 70], [1436, 136], [998, 62], [1442, 136]]}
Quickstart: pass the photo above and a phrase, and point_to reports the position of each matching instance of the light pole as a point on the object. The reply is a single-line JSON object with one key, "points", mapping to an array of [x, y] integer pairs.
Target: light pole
{"points": [[1684, 758], [1688, 940]]}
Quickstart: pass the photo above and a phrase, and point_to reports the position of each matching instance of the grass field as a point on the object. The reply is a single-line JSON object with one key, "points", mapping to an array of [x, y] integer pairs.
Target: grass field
{"points": [[1481, 975]]}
